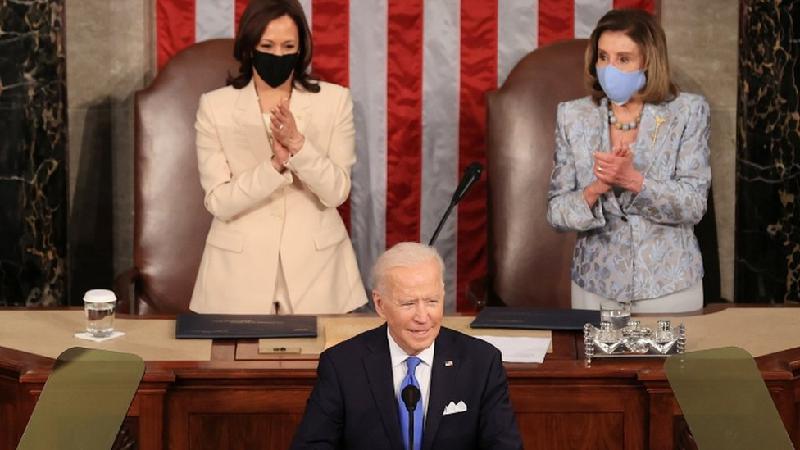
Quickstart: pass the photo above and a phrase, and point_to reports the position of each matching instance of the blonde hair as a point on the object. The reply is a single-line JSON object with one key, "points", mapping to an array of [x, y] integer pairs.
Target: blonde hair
{"points": [[641, 28], [404, 254]]}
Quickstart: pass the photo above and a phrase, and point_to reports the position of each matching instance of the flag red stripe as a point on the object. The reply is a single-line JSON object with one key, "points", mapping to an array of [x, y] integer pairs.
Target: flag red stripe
{"points": [[174, 28], [647, 5], [239, 8], [478, 76], [404, 120], [330, 23], [556, 21]]}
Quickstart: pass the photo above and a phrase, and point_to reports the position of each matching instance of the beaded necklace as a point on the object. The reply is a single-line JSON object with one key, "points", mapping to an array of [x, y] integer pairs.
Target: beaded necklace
{"points": [[614, 122]]}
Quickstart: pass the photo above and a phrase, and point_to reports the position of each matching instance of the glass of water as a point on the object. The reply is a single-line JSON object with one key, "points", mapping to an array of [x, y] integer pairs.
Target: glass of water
{"points": [[99, 306], [616, 313]]}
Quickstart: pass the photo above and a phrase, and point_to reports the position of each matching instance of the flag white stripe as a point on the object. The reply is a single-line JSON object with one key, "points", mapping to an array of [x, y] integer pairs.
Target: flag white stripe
{"points": [[587, 13], [213, 19], [309, 12], [306, 4], [440, 98], [517, 33], [368, 50]]}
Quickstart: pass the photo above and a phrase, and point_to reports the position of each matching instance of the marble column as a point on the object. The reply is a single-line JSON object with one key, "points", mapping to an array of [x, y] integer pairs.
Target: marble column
{"points": [[702, 37], [110, 55], [33, 172], [768, 153]]}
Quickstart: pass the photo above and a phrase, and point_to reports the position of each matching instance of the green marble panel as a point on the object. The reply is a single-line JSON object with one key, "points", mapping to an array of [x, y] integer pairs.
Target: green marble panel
{"points": [[33, 172], [767, 255]]}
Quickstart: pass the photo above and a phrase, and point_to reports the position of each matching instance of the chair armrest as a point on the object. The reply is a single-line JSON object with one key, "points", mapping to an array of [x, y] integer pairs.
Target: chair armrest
{"points": [[478, 292], [122, 288]]}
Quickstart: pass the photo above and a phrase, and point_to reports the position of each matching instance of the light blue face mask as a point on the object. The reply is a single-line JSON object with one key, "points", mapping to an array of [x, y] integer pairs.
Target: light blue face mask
{"points": [[620, 86]]}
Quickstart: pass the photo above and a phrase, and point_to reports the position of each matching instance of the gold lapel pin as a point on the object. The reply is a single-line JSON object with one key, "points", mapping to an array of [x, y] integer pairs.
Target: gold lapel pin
{"points": [[659, 120]]}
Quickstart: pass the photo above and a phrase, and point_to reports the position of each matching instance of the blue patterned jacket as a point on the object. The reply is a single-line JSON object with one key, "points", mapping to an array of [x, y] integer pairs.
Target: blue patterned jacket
{"points": [[634, 246]]}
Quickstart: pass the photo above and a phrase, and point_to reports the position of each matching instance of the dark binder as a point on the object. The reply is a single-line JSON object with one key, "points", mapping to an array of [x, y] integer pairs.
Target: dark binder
{"points": [[535, 318], [230, 326]]}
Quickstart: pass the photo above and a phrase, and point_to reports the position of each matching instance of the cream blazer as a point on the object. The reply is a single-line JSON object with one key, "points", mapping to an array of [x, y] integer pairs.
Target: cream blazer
{"points": [[261, 215]]}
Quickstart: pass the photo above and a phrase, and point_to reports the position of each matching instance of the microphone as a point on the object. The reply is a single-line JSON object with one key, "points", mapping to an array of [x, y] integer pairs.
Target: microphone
{"points": [[471, 174], [410, 396]]}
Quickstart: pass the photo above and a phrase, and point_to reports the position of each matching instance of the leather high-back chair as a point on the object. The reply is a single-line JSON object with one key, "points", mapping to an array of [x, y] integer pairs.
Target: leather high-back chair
{"points": [[529, 262], [170, 221]]}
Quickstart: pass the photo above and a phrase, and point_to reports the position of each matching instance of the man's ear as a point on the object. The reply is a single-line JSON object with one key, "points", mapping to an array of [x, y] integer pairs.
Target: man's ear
{"points": [[378, 300]]}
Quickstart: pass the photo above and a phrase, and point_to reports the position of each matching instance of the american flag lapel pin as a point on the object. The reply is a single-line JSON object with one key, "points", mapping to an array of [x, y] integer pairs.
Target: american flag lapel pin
{"points": [[448, 363]]}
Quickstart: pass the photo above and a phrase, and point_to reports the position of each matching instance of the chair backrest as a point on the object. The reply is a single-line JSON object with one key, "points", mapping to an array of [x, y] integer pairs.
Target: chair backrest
{"points": [[171, 223], [529, 262], [527, 258]]}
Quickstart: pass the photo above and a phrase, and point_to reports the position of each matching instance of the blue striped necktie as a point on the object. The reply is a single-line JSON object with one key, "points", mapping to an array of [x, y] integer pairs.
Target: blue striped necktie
{"points": [[411, 364]]}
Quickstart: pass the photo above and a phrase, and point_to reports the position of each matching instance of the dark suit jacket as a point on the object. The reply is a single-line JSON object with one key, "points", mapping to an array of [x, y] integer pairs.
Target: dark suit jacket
{"points": [[353, 405]]}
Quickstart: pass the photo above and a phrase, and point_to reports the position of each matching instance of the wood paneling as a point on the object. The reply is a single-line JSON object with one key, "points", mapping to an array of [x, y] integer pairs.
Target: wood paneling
{"points": [[242, 431], [257, 404]]}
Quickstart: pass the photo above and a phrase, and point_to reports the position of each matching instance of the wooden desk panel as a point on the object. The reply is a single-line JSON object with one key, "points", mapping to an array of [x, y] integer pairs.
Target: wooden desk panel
{"points": [[256, 404]]}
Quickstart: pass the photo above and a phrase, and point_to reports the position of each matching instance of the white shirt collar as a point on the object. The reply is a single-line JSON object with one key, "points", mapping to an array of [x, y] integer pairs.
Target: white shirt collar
{"points": [[399, 355]]}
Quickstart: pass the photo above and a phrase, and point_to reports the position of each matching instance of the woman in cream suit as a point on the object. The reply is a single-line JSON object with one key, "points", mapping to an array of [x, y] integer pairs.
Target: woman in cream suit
{"points": [[632, 173], [274, 152]]}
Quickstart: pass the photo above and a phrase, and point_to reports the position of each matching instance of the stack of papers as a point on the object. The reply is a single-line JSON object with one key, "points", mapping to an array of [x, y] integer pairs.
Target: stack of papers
{"points": [[520, 349]]}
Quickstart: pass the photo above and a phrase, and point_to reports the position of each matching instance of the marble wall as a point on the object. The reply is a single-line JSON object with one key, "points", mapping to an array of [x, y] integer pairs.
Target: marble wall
{"points": [[33, 153], [768, 170], [703, 51], [110, 52]]}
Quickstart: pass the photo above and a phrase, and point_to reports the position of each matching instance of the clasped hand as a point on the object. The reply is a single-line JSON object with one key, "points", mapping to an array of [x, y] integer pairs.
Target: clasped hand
{"points": [[616, 169], [287, 138]]}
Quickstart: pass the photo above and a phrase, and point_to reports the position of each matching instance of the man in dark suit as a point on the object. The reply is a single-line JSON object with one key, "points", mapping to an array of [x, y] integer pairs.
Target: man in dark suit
{"points": [[356, 403]]}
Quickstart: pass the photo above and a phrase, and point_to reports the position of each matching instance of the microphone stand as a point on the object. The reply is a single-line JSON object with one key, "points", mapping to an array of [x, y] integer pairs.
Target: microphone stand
{"points": [[410, 426], [441, 223], [471, 175], [411, 397]]}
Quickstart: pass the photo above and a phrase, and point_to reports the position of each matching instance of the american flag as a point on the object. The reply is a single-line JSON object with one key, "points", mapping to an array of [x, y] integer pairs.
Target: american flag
{"points": [[418, 71]]}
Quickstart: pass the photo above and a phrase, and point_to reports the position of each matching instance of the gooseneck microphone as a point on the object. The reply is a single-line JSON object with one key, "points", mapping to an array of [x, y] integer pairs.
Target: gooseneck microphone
{"points": [[471, 174], [410, 395]]}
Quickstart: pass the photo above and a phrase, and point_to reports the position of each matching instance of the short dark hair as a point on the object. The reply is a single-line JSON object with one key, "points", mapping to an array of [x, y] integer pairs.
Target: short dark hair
{"points": [[254, 20], [643, 29]]}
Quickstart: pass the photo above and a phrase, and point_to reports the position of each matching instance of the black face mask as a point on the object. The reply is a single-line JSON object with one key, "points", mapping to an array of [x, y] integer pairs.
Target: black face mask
{"points": [[273, 69]]}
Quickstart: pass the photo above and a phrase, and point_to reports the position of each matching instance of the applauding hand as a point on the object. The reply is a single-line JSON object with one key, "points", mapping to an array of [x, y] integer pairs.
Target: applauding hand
{"points": [[280, 156], [616, 169], [284, 127]]}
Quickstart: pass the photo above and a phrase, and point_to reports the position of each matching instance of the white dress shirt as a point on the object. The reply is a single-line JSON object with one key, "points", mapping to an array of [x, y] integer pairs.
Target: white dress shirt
{"points": [[423, 372]]}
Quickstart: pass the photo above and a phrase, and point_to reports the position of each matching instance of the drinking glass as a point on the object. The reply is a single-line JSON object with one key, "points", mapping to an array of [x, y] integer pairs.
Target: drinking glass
{"points": [[99, 306], [616, 313]]}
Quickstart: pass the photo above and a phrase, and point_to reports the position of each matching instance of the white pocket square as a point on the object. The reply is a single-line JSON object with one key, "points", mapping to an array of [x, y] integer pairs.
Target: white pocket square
{"points": [[453, 408]]}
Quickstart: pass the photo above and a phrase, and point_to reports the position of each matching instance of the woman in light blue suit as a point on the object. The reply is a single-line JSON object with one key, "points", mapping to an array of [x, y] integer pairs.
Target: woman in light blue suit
{"points": [[632, 173]]}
